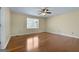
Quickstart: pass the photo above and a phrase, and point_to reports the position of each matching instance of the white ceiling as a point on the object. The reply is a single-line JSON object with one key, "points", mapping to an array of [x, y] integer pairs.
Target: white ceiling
{"points": [[34, 11]]}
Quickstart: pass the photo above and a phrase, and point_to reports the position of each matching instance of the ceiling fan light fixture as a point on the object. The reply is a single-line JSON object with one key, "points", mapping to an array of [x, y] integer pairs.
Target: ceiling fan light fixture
{"points": [[44, 14]]}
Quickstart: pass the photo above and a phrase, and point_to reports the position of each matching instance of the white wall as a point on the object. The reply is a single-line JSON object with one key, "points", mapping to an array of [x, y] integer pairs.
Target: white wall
{"points": [[65, 24], [5, 26], [19, 26]]}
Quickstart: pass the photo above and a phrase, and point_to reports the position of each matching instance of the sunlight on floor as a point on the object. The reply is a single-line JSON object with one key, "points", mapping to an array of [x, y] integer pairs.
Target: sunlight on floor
{"points": [[32, 43]]}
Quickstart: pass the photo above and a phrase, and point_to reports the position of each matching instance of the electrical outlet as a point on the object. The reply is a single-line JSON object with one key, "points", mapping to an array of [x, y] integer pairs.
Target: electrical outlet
{"points": [[72, 33]]}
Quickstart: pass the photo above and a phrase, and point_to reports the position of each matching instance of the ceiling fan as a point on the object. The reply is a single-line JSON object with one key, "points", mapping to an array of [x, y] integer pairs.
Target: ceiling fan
{"points": [[45, 11]]}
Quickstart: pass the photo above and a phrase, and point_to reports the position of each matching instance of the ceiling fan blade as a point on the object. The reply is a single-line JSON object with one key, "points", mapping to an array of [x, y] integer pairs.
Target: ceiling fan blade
{"points": [[49, 12], [45, 11], [41, 11]]}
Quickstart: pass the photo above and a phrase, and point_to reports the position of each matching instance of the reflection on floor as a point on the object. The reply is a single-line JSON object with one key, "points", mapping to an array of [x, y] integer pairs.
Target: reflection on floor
{"points": [[43, 42], [32, 43]]}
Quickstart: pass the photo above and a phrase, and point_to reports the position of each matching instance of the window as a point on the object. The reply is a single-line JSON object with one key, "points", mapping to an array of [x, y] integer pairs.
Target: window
{"points": [[32, 23]]}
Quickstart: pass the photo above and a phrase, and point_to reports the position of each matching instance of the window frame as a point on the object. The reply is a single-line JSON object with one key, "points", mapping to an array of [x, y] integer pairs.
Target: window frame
{"points": [[31, 25]]}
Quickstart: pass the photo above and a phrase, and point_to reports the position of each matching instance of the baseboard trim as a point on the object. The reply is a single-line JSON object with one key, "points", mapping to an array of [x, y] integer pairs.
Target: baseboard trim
{"points": [[65, 34], [7, 43], [24, 34]]}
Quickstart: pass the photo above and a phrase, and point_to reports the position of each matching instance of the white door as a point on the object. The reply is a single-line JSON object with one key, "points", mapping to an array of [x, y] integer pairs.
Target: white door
{"points": [[0, 27]]}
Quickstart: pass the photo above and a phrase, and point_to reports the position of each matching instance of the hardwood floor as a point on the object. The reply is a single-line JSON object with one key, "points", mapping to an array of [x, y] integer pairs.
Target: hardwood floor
{"points": [[43, 42]]}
